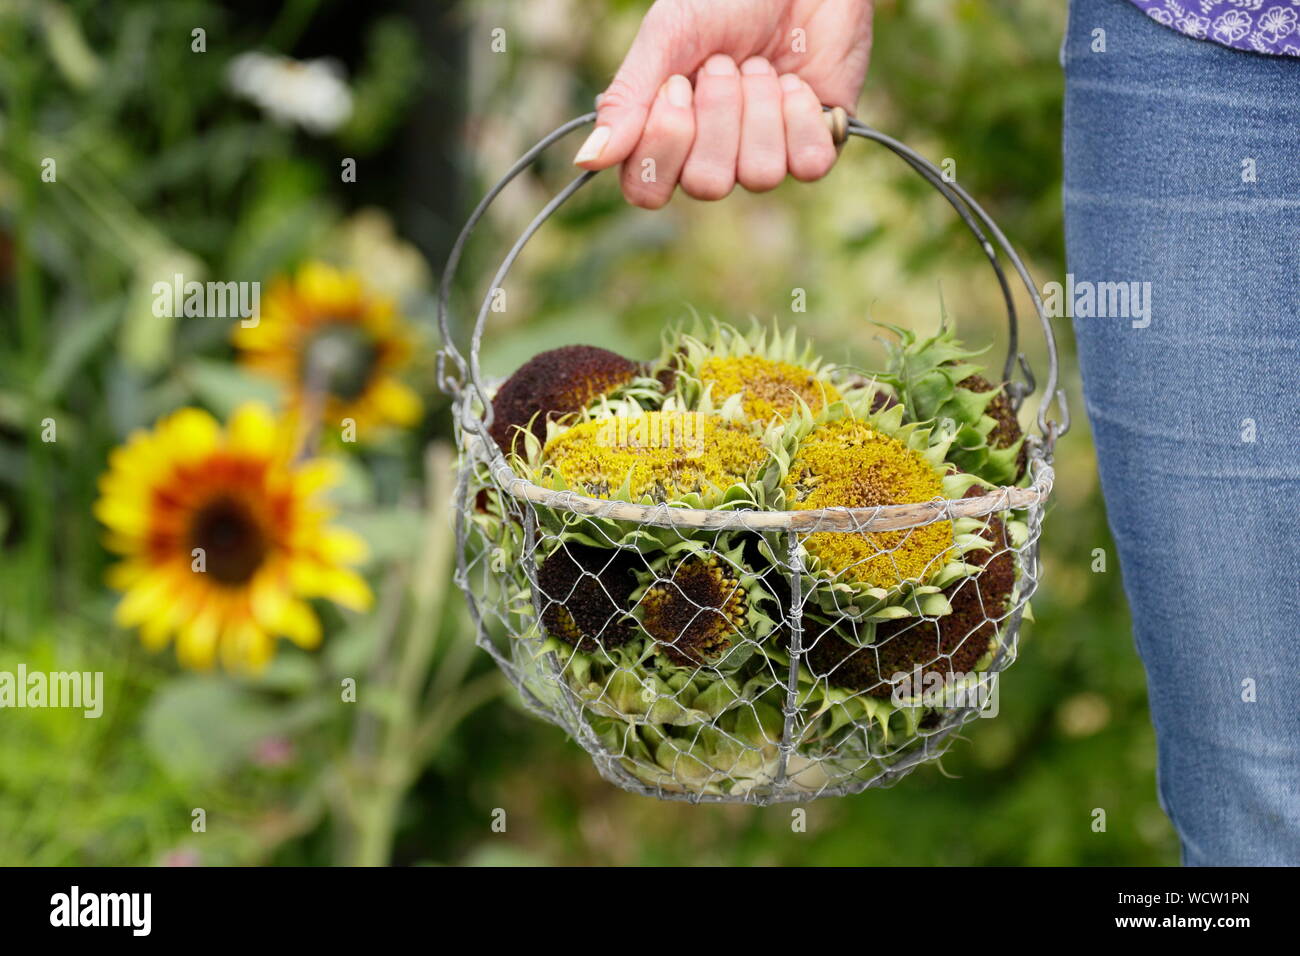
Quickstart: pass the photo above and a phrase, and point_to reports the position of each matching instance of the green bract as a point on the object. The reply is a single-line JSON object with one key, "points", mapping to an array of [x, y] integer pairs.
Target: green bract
{"points": [[935, 380], [738, 751], [846, 667]]}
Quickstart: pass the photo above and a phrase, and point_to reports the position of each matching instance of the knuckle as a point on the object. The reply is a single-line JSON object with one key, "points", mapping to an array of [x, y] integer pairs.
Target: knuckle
{"points": [[638, 192], [717, 92], [708, 185], [762, 175], [670, 126], [802, 102], [645, 197], [617, 96], [811, 162]]}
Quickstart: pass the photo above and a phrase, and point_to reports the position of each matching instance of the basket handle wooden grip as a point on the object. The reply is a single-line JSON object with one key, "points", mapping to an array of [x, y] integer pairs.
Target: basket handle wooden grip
{"points": [[837, 121]]}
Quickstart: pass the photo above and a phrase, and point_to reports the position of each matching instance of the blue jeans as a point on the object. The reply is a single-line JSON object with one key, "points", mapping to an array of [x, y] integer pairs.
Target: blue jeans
{"points": [[1196, 415]]}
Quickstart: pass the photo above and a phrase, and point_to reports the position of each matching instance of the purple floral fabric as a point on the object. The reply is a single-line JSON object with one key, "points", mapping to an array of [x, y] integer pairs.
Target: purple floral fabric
{"points": [[1264, 26]]}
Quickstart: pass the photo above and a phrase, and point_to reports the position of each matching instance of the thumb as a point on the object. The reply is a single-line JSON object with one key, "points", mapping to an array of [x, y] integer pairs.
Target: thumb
{"points": [[621, 111]]}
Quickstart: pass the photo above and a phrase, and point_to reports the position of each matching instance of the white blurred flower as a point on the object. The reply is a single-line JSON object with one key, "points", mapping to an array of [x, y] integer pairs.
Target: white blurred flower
{"points": [[311, 93], [368, 244]]}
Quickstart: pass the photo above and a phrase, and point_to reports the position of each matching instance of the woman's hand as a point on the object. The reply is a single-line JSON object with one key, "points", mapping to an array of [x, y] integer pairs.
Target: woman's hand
{"points": [[761, 69]]}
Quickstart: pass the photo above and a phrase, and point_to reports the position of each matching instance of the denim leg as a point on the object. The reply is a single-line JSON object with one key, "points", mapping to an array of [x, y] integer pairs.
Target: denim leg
{"points": [[1196, 416]]}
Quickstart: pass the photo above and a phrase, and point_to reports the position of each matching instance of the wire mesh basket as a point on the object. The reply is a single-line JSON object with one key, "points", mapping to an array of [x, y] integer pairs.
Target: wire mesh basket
{"points": [[716, 651]]}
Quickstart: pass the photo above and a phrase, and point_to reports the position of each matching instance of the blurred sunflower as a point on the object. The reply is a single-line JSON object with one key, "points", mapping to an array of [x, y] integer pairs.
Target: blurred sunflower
{"points": [[223, 534], [323, 330]]}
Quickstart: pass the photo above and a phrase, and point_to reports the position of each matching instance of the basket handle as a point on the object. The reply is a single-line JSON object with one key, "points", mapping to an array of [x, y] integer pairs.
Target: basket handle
{"points": [[842, 127]]}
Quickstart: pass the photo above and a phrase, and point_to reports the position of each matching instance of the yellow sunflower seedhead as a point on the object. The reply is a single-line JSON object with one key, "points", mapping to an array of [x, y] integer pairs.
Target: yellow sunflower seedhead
{"points": [[767, 375], [769, 389], [335, 346], [222, 537], [658, 455], [846, 463]]}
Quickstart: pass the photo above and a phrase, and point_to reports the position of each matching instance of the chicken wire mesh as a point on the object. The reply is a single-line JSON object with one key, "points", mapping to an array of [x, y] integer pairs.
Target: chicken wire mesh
{"points": [[737, 654]]}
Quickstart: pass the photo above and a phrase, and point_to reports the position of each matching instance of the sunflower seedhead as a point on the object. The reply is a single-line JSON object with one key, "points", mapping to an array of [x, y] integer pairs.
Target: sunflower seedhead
{"points": [[585, 593], [553, 385], [765, 375], [704, 607], [849, 656]]}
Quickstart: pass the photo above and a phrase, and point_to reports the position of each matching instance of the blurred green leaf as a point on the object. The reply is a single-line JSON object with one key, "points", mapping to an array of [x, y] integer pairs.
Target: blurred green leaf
{"points": [[200, 728], [68, 48], [223, 387], [76, 347], [392, 533]]}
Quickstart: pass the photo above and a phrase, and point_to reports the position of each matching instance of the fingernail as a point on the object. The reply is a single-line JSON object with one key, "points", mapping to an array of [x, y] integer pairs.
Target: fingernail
{"points": [[679, 91], [791, 83], [720, 65], [755, 66], [594, 145]]}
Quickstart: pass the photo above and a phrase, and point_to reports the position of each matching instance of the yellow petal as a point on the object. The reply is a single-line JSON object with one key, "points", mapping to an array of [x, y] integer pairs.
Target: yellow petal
{"points": [[247, 649], [341, 546], [125, 517], [156, 631], [349, 589], [126, 574], [143, 600], [340, 585], [298, 622], [189, 434], [267, 596], [324, 288], [253, 430], [381, 316], [196, 646], [139, 457], [396, 402], [315, 475]]}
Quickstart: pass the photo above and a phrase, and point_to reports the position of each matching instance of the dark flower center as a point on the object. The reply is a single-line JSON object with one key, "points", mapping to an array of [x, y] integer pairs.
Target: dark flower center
{"points": [[694, 614], [340, 359], [587, 591], [232, 540]]}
